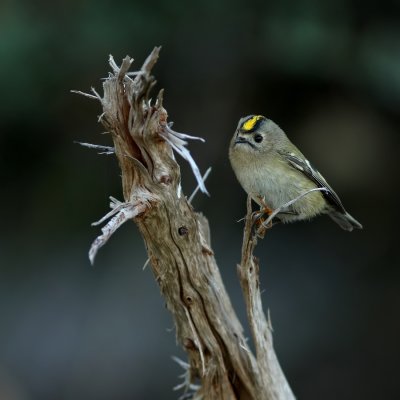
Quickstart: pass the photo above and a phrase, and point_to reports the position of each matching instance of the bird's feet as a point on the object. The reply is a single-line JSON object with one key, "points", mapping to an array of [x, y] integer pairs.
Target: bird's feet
{"points": [[259, 217]]}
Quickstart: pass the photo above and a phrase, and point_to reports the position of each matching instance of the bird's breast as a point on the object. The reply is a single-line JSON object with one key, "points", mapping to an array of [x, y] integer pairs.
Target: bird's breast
{"points": [[278, 183]]}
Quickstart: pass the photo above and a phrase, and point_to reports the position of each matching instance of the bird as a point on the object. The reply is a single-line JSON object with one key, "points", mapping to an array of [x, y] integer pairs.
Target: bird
{"points": [[273, 171]]}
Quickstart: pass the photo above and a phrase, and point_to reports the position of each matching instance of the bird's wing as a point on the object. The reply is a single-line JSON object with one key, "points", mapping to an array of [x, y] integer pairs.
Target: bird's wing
{"points": [[304, 166]]}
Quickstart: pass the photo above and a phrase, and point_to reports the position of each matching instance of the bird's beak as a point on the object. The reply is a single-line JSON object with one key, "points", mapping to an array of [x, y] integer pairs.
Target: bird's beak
{"points": [[241, 140]]}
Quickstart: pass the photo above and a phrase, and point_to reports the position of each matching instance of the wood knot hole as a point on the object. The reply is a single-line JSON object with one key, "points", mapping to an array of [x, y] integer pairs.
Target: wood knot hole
{"points": [[188, 300], [189, 344], [183, 231], [165, 179]]}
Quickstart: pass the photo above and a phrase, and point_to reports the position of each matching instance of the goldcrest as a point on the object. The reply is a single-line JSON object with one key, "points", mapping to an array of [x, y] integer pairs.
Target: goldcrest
{"points": [[273, 171]]}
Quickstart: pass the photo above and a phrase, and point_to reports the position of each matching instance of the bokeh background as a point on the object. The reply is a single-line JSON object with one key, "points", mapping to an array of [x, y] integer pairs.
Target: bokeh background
{"points": [[327, 72]]}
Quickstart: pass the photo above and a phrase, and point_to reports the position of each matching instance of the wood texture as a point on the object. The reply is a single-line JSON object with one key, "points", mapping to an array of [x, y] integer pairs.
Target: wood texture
{"points": [[179, 249]]}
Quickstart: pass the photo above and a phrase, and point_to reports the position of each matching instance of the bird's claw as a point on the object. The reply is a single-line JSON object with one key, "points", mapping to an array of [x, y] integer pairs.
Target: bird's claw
{"points": [[258, 222]]}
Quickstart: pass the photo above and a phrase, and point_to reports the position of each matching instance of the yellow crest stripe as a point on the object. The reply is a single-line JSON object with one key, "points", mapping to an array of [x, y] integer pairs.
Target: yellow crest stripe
{"points": [[249, 124]]}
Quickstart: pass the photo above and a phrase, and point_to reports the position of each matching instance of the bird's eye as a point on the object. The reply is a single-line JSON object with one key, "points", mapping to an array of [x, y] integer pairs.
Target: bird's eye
{"points": [[258, 138]]}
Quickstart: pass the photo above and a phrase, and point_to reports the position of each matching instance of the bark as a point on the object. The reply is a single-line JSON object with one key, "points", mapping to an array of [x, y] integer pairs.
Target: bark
{"points": [[177, 240]]}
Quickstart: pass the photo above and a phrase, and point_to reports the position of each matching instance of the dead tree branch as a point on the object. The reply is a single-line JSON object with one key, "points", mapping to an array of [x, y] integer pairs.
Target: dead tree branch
{"points": [[177, 240]]}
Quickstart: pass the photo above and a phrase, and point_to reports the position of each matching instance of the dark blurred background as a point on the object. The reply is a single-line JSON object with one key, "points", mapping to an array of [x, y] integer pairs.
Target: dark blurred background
{"points": [[327, 72]]}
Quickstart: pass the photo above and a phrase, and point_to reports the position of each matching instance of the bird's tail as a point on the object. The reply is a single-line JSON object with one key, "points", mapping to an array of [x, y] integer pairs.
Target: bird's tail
{"points": [[345, 220]]}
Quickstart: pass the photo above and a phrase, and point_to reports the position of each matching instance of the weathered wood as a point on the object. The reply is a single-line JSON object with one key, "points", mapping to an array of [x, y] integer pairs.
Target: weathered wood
{"points": [[274, 382], [179, 249]]}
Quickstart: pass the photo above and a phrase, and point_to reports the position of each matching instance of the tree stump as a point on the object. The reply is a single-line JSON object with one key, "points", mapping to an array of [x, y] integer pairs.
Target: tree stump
{"points": [[177, 240]]}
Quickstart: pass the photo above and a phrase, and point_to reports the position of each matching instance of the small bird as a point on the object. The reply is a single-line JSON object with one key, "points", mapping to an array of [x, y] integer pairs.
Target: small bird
{"points": [[273, 171]]}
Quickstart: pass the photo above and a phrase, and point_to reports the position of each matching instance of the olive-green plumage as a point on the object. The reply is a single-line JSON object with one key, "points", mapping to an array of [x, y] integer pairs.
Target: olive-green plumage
{"points": [[270, 167]]}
